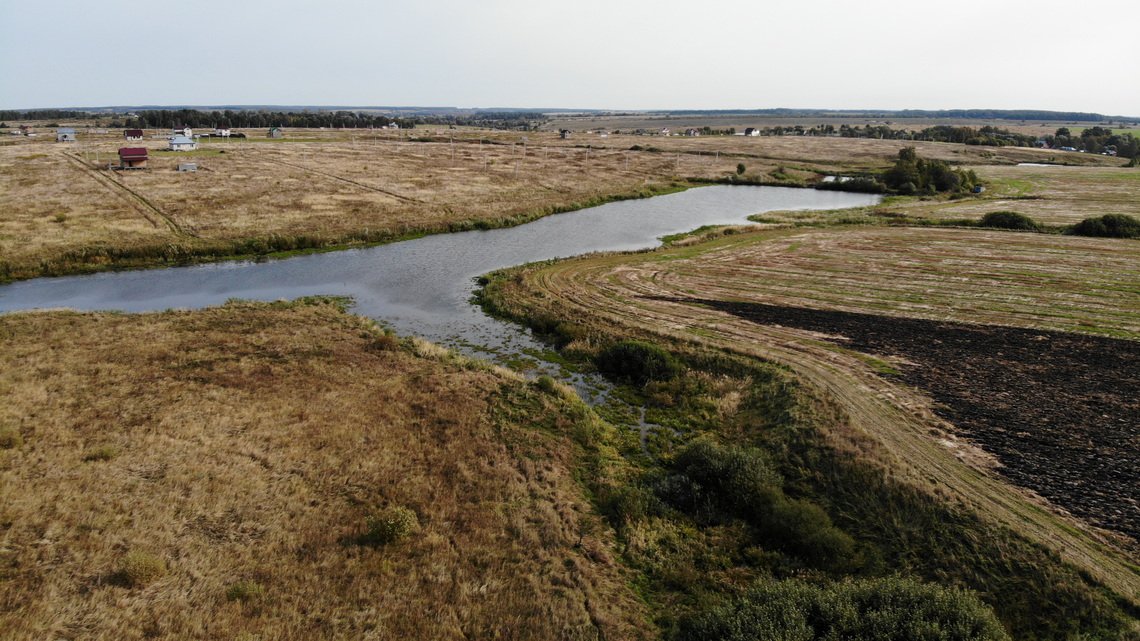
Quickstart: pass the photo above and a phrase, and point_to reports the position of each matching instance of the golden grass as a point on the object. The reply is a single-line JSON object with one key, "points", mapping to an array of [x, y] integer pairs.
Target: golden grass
{"points": [[63, 211], [930, 273], [251, 443]]}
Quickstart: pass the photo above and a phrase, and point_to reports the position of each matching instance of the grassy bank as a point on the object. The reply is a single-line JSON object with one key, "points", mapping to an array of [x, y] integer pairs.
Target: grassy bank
{"points": [[861, 459], [289, 471], [189, 250]]}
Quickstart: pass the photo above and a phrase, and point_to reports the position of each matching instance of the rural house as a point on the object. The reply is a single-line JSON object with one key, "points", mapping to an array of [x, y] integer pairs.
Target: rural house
{"points": [[751, 131], [224, 132], [65, 134], [182, 143], [133, 134], [132, 158], [182, 131], [275, 132]]}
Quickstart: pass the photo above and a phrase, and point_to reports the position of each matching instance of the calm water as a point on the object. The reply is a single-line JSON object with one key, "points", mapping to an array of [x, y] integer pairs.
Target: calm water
{"points": [[423, 286]]}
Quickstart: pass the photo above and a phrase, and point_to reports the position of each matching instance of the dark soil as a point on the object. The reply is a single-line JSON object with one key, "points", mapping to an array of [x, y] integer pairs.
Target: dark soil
{"points": [[1060, 411]]}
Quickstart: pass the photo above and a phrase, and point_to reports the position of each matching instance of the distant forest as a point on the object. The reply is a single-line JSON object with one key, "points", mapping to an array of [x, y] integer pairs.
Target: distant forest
{"points": [[1092, 139], [162, 118], [974, 114]]}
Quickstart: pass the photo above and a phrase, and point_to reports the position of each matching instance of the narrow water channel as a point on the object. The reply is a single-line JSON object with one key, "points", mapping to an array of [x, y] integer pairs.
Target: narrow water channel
{"points": [[423, 286]]}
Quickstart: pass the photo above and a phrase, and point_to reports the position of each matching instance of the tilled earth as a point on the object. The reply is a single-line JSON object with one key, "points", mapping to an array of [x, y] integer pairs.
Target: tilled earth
{"points": [[1060, 411]]}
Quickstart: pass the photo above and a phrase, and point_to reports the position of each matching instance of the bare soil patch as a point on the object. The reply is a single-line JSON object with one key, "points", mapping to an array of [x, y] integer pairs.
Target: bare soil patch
{"points": [[1059, 410]]}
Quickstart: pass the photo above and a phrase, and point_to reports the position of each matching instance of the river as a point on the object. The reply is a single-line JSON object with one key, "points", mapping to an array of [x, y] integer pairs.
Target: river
{"points": [[423, 286]]}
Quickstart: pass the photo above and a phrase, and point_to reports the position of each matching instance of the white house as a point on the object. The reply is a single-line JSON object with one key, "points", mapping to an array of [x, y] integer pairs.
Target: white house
{"points": [[224, 132], [65, 134], [751, 131], [182, 143], [185, 131]]}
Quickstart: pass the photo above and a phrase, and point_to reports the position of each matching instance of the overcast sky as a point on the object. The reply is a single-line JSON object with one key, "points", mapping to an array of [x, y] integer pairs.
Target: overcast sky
{"points": [[619, 54]]}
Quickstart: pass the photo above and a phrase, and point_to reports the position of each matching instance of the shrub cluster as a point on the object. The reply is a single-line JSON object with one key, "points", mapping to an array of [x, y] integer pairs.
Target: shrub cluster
{"points": [[638, 362], [390, 525], [888, 609], [1009, 220], [140, 568], [914, 175], [1107, 226], [714, 482]]}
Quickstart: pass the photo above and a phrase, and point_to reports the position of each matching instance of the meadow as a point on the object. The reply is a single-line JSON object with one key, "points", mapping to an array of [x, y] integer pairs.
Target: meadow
{"points": [[66, 212], [231, 473]]}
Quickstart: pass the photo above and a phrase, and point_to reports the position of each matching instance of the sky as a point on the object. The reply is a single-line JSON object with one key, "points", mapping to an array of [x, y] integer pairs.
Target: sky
{"points": [[580, 54]]}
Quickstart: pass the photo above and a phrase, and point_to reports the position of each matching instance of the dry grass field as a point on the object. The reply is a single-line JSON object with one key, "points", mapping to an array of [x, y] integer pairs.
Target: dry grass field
{"points": [[210, 474], [63, 211], [837, 307]]}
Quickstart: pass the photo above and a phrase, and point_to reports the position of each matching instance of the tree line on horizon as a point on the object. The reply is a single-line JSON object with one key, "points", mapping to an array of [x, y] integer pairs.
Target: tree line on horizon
{"points": [[248, 118]]}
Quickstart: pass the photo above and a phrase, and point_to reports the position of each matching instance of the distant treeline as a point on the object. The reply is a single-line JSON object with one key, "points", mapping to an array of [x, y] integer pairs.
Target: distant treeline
{"points": [[976, 114], [1096, 140], [1093, 139], [990, 136], [163, 118]]}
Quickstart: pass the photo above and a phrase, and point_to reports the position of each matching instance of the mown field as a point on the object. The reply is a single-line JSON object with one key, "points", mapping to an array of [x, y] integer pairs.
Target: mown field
{"points": [[1049, 195], [975, 366], [211, 474], [65, 212]]}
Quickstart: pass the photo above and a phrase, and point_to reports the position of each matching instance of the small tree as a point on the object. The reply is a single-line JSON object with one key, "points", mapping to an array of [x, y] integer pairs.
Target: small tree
{"points": [[740, 169]]}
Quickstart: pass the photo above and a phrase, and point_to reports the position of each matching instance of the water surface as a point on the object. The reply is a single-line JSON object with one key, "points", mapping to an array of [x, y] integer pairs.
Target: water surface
{"points": [[423, 286]]}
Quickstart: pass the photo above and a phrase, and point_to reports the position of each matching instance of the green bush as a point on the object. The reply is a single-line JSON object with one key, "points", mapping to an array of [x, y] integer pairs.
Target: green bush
{"points": [[638, 362], [740, 169], [391, 525], [1107, 226], [140, 568], [716, 483], [888, 609], [1009, 220]]}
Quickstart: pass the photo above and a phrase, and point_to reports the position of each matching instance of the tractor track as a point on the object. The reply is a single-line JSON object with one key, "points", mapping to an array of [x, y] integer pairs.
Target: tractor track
{"points": [[148, 209], [398, 196]]}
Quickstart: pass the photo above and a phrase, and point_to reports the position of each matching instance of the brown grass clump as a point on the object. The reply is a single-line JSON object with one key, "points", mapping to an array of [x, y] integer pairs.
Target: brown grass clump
{"points": [[139, 568], [253, 443], [391, 525], [10, 437]]}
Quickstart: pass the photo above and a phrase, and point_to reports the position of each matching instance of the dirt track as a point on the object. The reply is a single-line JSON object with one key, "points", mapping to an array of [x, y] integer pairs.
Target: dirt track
{"points": [[1059, 410]]}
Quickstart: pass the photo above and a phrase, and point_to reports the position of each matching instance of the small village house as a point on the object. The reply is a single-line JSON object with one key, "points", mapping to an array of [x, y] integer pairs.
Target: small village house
{"points": [[275, 132], [133, 134], [182, 143], [65, 134], [224, 132], [182, 131], [751, 131], [132, 157]]}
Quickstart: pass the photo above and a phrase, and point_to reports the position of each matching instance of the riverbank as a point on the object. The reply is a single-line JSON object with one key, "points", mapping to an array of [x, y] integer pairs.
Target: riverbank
{"points": [[853, 428], [66, 212]]}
